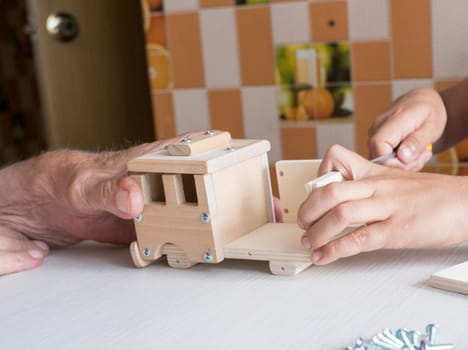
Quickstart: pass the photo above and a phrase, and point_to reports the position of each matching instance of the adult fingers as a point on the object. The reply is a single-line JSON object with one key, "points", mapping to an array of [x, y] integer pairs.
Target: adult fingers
{"points": [[121, 197], [17, 253], [345, 215], [415, 165], [411, 129], [351, 165], [367, 238], [16, 261], [323, 199], [278, 210], [110, 190], [110, 229], [419, 162]]}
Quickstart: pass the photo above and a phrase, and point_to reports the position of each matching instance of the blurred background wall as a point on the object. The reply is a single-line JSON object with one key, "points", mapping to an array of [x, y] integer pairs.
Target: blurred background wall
{"points": [[21, 133]]}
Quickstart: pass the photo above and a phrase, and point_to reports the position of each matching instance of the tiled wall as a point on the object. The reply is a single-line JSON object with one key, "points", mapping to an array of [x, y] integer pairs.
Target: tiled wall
{"points": [[20, 121], [302, 73]]}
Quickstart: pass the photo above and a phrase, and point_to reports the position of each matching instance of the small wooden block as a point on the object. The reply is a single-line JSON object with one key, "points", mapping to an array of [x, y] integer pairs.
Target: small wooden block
{"points": [[287, 268], [270, 242], [200, 144], [453, 279]]}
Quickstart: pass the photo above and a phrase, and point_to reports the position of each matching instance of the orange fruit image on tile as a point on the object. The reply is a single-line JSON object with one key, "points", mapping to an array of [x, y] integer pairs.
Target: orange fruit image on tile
{"points": [[317, 102], [298, 113], [158, 66]]}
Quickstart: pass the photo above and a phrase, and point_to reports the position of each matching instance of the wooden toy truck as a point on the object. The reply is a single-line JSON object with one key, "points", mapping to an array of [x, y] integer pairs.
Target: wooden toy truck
{"points": [[209, 198]]}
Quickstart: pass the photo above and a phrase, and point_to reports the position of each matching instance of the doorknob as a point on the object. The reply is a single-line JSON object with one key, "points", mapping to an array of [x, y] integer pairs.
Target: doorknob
{"points": [[62, 26]]}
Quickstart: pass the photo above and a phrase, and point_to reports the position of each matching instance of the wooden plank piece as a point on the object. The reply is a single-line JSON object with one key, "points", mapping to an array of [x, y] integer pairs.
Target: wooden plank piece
{"points": [[453, 279], [292, 175], [281, 268], [208, 162], [200, 143], [270, 242]]}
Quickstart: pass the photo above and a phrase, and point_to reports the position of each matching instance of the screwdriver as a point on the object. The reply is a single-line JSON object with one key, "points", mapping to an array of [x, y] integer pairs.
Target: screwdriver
{"points": [[385, 157]]}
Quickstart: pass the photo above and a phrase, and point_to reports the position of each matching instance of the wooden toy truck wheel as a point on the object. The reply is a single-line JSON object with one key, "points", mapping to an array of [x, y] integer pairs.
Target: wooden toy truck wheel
{"points": [[176, 257], [136, 255], [282, 268]]}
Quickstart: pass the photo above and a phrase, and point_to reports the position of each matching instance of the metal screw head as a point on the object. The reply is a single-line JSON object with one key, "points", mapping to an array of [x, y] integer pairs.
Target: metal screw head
{"points": [[230, 148], [209, 132], [146, 252], [139, 217], [415, 337], [186, 140], [205, 218], [402, 334], [208, 257], [431, 331]]}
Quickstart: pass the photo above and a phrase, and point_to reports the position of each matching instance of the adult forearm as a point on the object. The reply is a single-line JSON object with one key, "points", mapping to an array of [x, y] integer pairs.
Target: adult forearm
{"points": [[456, 104]]}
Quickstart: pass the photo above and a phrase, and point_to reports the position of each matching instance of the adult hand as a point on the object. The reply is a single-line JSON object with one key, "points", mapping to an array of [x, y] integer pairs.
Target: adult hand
{"points": [[400, 209], [62, 197], [18, 253], [414, 121]]}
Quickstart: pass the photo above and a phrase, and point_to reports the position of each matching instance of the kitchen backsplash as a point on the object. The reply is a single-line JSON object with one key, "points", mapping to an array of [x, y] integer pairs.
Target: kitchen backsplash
{"points": [[302, 74]]}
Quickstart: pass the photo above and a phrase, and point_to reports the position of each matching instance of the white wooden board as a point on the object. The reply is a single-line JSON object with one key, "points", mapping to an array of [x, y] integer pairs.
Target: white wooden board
{"points": [[454, 279]]}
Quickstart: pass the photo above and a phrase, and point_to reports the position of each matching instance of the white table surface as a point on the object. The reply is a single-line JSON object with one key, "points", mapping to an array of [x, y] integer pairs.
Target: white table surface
{"points": [[91, 297]]}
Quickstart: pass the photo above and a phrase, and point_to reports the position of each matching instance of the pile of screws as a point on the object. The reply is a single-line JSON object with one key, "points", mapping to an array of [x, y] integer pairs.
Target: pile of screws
{"points": [[403, 339]]}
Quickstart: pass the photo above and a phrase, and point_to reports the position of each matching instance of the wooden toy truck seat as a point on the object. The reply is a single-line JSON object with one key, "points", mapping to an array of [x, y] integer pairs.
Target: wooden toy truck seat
{"points": [[208, 198]]}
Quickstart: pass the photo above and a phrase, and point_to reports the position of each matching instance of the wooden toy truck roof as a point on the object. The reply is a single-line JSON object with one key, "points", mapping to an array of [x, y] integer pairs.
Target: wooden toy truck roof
{"points": [[203, 163]]}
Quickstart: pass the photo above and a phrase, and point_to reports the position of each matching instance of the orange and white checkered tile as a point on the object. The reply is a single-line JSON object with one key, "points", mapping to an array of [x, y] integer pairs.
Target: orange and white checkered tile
{"points": [[223, 64]]}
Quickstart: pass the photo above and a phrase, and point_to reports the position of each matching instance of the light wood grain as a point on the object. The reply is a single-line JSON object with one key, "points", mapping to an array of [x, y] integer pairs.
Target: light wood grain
{"points": [[270, 242], [181, 226], [208, 162], [453, 279], [287, 268], [200, 143], [242, 200], [292, 175], [176, 257]]}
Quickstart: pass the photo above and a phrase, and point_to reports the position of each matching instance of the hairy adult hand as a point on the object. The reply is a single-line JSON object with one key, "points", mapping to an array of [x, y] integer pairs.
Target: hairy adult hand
{"points": [[391, 208], [62, 197]]}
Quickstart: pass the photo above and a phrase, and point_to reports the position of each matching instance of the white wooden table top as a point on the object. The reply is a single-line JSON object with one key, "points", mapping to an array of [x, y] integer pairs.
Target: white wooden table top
{"points": [[91, 297]]}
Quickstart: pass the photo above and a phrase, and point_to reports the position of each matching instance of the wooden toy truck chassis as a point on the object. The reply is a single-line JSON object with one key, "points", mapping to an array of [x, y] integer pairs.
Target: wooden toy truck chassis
{"points": [[211, 202]]}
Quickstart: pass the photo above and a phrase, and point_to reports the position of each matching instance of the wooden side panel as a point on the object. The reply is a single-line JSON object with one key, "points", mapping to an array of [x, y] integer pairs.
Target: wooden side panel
{"points": [[292, 176], [181, 226], [243, 202], [178, 222]]}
